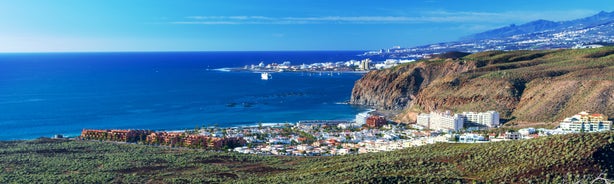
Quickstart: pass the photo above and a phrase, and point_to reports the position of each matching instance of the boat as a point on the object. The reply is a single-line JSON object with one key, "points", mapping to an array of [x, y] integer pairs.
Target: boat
{"points": [[265, 76]]}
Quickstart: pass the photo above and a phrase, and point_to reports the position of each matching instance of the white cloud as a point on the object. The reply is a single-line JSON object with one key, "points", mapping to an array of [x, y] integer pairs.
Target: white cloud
{"points": [[422, 17], [208, 22], [508, 16]]}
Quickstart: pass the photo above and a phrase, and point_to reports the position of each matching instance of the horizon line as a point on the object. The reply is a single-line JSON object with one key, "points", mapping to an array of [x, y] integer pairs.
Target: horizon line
{"points": [[169, 51]]}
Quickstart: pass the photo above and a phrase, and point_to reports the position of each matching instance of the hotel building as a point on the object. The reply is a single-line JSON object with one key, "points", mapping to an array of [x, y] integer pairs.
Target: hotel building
{"points": [[488, 118], [441, 121], [585, 122]]}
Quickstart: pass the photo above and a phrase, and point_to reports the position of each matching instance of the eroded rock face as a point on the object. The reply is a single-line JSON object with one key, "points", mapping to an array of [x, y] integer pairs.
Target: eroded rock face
{"points": [[394, 89], [479, 94], [524, 86]]}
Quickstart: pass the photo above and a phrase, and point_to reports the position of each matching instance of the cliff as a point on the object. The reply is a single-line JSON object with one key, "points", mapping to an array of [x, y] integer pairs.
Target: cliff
{"points": [[524, 86], [395, 88]]}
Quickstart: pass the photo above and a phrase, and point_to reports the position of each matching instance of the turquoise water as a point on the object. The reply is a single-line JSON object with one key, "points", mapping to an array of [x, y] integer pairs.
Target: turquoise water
{"points": [[47, 94]]}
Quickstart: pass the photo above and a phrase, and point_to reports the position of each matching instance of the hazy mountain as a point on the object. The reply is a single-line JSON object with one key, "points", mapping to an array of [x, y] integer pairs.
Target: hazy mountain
{"points": [[544, 25], [535, 35]]}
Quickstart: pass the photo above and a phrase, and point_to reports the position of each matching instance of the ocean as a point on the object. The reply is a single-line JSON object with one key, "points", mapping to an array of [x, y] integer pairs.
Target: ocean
{"points": [[43, 94]]}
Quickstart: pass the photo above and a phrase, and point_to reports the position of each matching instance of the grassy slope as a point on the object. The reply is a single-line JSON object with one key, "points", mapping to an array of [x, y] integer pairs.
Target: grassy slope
{"points": [[528, 85], [544, 159]]}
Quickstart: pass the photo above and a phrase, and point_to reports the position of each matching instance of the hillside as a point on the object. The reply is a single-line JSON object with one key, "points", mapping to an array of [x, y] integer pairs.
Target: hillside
{"points": [[554, 159], [524, 86]]}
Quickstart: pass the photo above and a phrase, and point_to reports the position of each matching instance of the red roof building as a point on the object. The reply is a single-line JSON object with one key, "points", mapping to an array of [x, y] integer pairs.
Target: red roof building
{"points": [[376, 121]]}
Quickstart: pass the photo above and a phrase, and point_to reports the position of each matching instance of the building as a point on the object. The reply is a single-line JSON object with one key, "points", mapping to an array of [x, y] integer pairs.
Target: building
{"points": [[376, 121], [424, 120], [512, 136], [364, 64], [361, 118], [441, 121], [488, 118], [115, 135], [470, 138], [585, 122], [526, 131], [445, 121]]}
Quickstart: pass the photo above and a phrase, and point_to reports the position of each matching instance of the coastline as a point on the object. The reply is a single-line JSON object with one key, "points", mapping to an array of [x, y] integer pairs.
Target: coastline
{"points": [[230, 69], [246, 125]]}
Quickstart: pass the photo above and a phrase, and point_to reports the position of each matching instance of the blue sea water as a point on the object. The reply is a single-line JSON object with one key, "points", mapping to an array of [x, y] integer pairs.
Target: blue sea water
{"points": [[42, 94]]}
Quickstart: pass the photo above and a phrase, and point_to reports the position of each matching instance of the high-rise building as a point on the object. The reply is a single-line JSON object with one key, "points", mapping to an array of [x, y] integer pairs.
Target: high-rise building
{"points": [[364, 64], [441, 121], [424, 120], [488, 118]]}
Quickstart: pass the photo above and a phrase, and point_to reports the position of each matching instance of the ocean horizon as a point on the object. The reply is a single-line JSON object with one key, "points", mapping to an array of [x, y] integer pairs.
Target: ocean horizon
{"points": [[43, 94]]}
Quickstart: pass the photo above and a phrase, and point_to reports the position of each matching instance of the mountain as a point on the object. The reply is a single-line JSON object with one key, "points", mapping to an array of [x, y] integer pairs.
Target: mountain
{"points": [[535, 26], [535, 35], [545, 25], [523, 86]]}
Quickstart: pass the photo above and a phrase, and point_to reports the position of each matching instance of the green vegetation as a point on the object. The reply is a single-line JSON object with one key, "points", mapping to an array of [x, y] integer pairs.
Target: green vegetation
{"points": [[554, 159], [529, 65]]}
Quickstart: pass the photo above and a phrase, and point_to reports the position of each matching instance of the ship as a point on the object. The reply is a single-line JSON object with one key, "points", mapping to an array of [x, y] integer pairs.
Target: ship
{"points": [[265, 76]]}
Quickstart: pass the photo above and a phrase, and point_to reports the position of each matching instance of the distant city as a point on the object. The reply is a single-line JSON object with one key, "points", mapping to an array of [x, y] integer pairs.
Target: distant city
{"points": [[340, 66], [590, 32]]}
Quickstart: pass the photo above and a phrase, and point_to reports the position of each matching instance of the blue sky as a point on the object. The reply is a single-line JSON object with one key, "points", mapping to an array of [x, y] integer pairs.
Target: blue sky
{"points": [[238, 25]]}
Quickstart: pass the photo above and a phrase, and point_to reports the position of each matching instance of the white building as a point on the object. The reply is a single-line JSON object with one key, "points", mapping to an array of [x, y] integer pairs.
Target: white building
{"points": [[365, 64], [585, 122], [361, 118], [489, 118], [346, 125], [424, 120], [526, 131], [470, 138], [445, 121]]}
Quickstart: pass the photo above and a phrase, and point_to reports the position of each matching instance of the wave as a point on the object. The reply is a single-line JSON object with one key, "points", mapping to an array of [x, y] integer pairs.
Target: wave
{"points": [[255, 124], [23, 101], [222, 69], [367, 111]]}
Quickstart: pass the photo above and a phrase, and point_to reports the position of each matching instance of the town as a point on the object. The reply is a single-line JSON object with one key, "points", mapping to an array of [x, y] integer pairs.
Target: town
{"points": [[369, 132], [340, 66], [592, 32]]}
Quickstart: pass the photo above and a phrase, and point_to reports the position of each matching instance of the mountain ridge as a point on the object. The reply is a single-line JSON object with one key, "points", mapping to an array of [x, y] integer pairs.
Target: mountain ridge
{"points": [[542, 25], [535, 35]]}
